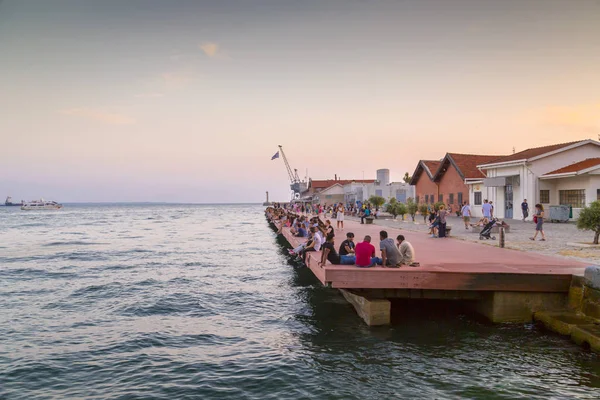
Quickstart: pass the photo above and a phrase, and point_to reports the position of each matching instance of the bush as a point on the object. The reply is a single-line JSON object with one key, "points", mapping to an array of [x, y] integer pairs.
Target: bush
{"points": [[424, 210], [392, 207], [589, 219], [412, 208], [437, 205], [402, 209]]}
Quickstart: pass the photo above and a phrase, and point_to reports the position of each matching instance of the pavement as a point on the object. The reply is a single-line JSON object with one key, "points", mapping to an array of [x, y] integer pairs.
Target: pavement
{"points": [[562, 239]]}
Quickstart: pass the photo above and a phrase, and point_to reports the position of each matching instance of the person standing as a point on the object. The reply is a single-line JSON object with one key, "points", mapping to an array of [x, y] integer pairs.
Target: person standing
{"points": [[486, 209], [538, 218], [491, 209], [442, 223], [340, 216], [466, 214], [525, 209]]}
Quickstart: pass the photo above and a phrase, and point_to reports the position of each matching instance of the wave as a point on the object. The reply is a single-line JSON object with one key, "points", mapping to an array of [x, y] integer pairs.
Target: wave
{"points": [[72, 243]]}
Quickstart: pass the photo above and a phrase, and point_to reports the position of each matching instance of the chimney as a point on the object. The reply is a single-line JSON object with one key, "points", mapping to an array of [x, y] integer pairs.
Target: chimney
{"points": [[335, 177]]}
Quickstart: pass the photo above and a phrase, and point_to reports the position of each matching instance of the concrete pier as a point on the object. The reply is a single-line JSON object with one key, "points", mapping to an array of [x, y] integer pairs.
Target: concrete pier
{"points": [[504, 285]]}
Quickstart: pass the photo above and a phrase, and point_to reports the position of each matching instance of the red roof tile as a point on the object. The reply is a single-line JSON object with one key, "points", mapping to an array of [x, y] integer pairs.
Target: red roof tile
{"points": [[323, 184], [533, 152], [432, 166], [578, 166], [466, 164]]}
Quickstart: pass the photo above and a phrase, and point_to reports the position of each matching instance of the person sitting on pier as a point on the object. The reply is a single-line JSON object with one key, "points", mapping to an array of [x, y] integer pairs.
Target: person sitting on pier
{"points": [[407, 252], [329, 253], [482, 222], [365, 254], [313, 245], [328, 229], [347, 246], [300, 231], [390, 256]]}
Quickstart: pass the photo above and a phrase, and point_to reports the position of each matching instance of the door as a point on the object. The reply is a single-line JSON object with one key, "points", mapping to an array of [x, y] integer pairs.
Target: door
{"points": [[508, 201]]}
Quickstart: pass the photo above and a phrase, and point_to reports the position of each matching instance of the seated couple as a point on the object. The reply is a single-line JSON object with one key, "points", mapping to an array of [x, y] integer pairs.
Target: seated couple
{"points": [[392, 255]]}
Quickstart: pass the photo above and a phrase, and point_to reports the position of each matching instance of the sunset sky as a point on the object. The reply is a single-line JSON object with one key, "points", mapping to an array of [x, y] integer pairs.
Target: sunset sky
{"points": [[186, 101]]}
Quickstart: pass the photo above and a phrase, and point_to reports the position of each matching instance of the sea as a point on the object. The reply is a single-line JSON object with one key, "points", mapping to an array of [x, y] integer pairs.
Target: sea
{"points": [[165, 301]]}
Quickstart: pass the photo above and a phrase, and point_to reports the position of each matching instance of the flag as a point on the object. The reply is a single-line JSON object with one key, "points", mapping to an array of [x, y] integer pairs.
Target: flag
{"points": [[276, 155]]}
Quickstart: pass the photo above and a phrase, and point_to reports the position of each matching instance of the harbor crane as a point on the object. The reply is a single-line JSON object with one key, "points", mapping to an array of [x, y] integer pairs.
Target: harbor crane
{"points": [[294, 178]]}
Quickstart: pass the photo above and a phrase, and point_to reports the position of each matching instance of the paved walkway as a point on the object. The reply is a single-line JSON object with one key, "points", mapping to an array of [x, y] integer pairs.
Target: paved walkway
{"points": [[562, 239]]}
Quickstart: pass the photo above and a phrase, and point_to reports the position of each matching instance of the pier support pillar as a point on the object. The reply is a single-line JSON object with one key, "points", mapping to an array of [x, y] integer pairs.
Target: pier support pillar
{"points": [[373, 311], [518, 306]]}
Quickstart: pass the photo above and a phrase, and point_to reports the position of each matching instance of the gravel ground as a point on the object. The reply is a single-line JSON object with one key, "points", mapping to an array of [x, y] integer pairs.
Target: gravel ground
{"points": [[562, 239]]}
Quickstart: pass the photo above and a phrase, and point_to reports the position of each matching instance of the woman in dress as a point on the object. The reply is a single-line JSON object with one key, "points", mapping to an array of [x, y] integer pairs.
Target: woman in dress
{"points": [[538, 217], [340, 216]]}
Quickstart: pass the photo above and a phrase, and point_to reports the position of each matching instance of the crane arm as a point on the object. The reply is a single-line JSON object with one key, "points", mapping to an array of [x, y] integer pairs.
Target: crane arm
{"points": [[287, 164]]}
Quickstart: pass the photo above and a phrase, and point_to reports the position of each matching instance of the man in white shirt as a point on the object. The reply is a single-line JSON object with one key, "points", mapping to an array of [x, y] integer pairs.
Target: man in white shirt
{"points": [[466, 214], [315, 244], [407, 252]]}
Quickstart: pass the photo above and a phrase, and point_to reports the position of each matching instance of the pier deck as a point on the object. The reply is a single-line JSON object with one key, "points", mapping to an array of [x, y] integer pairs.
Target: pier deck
{"points": [[447, 264]]}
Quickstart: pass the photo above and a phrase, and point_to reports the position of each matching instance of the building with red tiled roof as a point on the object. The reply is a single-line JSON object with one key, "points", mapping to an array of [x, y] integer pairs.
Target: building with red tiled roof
{"points": [[444, 181], [565, 173]]}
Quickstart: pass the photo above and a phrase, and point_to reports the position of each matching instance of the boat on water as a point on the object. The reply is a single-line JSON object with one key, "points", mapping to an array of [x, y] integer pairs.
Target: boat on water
{"points": [[41, 205], [9, 203]]}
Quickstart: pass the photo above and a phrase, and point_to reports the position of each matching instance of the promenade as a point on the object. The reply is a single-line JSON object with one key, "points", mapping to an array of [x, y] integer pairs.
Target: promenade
{"points": [[506, 284]]}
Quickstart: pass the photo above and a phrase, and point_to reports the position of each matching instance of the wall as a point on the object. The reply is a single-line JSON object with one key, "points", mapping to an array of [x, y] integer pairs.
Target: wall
{"points": [[554, 162], [452, 182], [425, 186]]}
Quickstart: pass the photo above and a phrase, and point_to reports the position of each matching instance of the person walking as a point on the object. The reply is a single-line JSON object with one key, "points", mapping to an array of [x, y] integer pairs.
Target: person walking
{"points": [[466, 214], [525, 209], [538, 218]]}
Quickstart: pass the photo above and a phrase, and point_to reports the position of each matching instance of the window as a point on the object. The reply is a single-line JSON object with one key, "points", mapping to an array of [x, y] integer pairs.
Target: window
{"points": [[545, 196], [574, 198], [378, 192], [451, 198], [426, 199], [477, 199], [432, 199], [441, 198], [597, 194], [417, 199], [460, 199]]}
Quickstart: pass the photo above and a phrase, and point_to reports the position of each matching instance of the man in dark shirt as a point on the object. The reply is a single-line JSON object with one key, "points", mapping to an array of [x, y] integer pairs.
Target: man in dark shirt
{"points": [[347, 256], [525, 209], [329, 253]]}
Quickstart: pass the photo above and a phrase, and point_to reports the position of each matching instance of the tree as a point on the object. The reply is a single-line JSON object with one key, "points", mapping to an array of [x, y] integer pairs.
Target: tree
{"points": [[407, 178], [392, 207], [589, 219], [437, 205], [377, 201], [401, 209], [424, 210], [412, 208]]}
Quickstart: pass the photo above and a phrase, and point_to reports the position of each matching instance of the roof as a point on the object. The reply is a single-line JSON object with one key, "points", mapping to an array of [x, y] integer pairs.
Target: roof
{"points": [[429, 166], [576, 167], [323, 184], [465, 164], [536, 152]]}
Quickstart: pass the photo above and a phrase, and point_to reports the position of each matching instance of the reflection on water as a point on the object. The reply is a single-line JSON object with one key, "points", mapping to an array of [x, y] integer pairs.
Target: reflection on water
{"points": [[169, 301]]}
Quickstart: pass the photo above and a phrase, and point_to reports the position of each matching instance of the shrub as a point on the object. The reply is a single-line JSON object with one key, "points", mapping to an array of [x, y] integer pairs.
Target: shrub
{"points": [[392, 207], [412, 208], [589, 219], [377, 201], [424, 210], [437, 205]]}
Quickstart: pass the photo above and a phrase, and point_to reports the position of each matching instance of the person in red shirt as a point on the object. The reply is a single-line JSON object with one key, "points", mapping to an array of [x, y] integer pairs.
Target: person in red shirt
{"points": [[365, 254]]}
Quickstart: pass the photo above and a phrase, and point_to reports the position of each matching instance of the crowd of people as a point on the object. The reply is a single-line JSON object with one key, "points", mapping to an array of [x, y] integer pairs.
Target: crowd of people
{"points": [[321, 236]]}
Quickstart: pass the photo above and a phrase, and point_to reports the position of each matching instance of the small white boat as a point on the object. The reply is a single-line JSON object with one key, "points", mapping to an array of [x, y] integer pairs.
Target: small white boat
{"points": [[41, 205]]}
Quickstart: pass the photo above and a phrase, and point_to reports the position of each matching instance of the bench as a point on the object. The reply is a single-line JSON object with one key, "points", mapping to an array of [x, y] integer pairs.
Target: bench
{"points": [[495, 229]]}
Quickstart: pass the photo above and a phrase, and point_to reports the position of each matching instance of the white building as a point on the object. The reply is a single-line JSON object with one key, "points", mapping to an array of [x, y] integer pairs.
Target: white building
{"points": [[567, 173], [401, 191]]}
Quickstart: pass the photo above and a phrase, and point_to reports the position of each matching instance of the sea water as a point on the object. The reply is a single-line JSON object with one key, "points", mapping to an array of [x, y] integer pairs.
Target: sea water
{"points": [[143, 301]]}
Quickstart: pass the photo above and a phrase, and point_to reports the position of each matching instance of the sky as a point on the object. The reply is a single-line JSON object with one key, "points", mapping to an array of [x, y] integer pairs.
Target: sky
{"points": [[186, 101]]}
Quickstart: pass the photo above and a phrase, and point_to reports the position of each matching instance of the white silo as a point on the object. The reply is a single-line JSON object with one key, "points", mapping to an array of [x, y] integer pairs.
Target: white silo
{"points": [[383, 176]]}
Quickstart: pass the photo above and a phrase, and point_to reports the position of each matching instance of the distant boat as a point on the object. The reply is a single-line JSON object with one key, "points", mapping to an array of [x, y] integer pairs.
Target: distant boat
{"points": [[41, 205], [9, 202]]}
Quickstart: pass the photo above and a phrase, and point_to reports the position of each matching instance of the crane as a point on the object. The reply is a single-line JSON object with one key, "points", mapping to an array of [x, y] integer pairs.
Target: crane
{"points": [[294, 178]]}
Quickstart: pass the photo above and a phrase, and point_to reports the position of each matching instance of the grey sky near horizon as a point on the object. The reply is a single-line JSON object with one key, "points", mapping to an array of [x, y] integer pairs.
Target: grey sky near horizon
{"points": [[186, 101]]}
